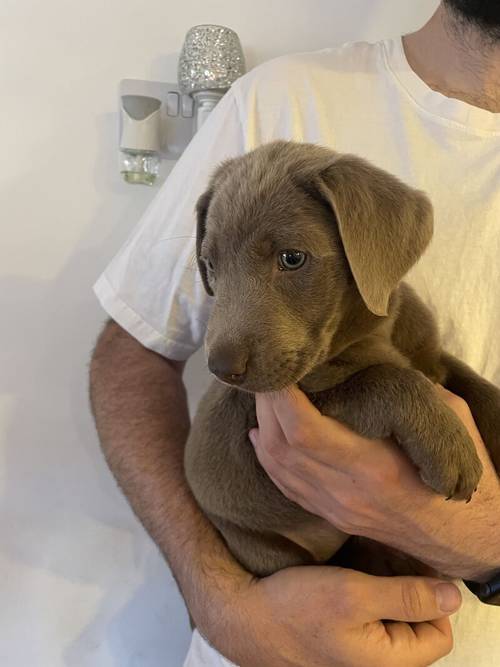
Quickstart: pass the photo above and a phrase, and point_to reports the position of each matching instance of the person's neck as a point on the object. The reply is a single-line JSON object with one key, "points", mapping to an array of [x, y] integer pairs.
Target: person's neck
{"points": [[456, 59]]}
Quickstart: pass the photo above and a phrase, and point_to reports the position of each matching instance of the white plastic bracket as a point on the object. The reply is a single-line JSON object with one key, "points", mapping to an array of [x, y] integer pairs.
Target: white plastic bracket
{"points": [[177, 113]]}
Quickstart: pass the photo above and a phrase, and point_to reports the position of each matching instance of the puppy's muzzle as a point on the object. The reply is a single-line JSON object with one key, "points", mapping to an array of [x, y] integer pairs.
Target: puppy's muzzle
{"points": [[229, 363]]}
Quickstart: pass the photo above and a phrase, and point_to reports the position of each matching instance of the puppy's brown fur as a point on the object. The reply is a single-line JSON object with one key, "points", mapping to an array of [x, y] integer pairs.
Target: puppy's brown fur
{"points": [[357, 340]]}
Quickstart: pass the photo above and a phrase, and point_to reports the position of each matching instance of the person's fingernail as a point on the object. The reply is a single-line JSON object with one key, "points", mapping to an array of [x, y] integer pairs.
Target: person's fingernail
{"points": [[448, 597]]}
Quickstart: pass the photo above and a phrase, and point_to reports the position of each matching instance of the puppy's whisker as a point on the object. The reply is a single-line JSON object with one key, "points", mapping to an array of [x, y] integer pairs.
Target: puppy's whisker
{"points": [[175, 238]]}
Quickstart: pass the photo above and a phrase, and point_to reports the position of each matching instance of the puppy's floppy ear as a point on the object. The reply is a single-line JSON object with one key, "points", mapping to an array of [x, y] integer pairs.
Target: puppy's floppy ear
{"points": [[201, 216], [202, 205], [384, 225]]}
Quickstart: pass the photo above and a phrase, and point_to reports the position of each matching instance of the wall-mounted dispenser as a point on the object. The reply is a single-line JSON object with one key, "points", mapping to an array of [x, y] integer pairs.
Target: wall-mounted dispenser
{"points": [[158, 120], [140, 143]]}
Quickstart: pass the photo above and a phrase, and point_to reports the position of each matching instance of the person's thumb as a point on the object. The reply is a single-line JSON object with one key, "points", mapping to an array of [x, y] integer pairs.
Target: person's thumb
{"points": [[412, 599]]}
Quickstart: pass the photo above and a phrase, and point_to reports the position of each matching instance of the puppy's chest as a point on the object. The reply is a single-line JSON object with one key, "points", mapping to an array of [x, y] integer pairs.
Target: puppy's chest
{"points": [[357, 357], [328, 375]]}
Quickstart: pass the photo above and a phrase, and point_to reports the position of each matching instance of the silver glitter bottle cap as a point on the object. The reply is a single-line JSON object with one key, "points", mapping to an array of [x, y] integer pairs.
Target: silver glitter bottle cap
{"points": [[211, 59]]}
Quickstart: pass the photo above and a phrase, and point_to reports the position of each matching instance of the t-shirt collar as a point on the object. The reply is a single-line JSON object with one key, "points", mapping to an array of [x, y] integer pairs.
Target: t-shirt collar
{"points": [[446, 108]]}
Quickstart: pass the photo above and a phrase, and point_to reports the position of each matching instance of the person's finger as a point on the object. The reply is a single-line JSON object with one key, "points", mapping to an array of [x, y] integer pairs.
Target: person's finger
{"points": [[291, 476], [267, 419], [429, 640], [286, 468], [426, 631], [295, 412], [280, 435], [409, 599], [304, 427], [295, 470], [301, 422], [269, 440]]}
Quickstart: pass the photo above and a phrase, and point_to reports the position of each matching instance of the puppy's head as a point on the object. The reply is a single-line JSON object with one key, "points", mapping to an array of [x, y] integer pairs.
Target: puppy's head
{"points": [[291, 237]]}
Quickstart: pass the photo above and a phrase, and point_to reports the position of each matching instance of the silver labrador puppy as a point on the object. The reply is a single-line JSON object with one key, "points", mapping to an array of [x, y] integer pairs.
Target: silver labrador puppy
{"points": [[303, 250]]}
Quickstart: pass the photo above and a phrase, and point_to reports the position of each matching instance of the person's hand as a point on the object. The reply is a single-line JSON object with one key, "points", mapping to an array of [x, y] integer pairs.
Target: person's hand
{"points": [[370, 488], [330, 617]]}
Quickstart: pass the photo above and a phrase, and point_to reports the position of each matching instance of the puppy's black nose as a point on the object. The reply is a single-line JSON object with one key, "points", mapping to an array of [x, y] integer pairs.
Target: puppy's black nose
{"points": [[228, 363]]}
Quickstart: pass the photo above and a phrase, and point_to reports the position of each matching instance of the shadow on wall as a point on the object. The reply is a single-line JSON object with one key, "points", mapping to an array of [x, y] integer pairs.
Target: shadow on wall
{"points": [[71, 535]]}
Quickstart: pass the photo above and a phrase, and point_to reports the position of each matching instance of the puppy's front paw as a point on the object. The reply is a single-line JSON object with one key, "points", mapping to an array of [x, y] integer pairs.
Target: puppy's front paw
{"points": [[455, 468]]}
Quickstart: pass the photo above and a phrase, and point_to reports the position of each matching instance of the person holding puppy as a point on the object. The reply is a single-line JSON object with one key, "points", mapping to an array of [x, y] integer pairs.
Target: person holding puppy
{"points": [[427, 109]]}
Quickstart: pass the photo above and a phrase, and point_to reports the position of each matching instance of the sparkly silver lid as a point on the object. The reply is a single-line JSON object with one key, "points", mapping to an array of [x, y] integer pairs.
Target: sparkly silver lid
{"points": [[211, 59]]}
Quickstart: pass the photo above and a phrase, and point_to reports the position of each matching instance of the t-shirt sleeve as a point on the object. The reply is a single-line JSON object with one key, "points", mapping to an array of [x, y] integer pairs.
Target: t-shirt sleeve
{"points": [[152, 287]]}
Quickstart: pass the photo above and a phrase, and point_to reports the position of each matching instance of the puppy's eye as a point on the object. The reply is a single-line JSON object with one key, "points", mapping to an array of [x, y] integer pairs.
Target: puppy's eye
{"points": [[291, 260]]}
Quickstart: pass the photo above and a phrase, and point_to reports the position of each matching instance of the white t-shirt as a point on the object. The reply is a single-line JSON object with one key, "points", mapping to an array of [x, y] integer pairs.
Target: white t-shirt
{"points": [[358, 98]]}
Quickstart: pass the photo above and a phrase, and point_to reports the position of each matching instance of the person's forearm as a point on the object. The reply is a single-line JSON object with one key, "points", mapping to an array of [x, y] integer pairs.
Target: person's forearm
{"points": [[477, 554], [140, 408]]}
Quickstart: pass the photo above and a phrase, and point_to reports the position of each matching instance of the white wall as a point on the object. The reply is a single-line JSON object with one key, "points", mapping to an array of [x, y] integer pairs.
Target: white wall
{"points": [[81, 583]]}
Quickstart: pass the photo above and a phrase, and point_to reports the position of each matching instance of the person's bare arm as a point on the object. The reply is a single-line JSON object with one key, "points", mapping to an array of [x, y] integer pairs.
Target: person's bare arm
{"points": [[139, 404], [295, 618]]}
